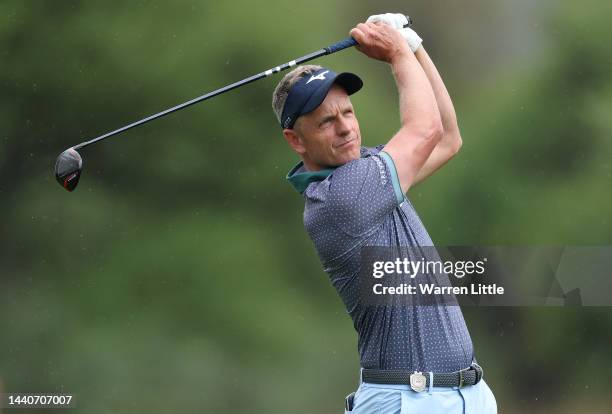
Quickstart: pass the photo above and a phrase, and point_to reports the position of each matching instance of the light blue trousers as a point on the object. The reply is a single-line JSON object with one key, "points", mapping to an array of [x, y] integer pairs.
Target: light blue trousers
{"points": [[401, 399]]}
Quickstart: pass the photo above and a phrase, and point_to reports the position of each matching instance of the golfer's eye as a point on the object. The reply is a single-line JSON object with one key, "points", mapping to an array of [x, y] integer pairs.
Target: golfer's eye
{"points": [[349, 112], [326, 122]]}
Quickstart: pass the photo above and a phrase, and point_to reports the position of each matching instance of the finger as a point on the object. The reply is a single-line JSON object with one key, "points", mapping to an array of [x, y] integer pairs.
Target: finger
{"points": [[372, 29], [380, 30], [357, 34], [365, 30], [368, 29]]}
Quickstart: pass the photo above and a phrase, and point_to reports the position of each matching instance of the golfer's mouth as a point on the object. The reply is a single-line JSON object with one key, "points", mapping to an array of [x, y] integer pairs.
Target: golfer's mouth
{"points": [[345, 143]]}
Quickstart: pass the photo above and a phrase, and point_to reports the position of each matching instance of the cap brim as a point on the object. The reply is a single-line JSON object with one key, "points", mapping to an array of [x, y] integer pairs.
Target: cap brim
{"points": [[350, 82]]}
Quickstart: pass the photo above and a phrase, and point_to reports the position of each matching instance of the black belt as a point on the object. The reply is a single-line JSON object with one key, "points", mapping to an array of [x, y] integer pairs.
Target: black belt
{"points": [[419, 381]]}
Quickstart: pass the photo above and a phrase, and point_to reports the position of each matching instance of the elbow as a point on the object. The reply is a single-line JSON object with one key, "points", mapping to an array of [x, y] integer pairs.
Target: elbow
{"points": [[452, 137], [435, 132], [428, 133], [456, 143]]}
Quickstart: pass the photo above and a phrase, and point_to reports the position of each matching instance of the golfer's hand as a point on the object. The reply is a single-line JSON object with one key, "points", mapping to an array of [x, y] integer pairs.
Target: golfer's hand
{"points": [[398, 21], [379, 41]]}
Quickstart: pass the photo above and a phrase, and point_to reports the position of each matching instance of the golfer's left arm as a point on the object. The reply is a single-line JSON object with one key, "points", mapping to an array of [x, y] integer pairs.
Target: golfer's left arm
{"points": [[451, 142]]}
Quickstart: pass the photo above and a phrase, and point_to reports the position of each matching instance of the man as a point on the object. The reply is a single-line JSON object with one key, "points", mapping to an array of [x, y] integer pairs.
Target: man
{"points": [[414, 358]]}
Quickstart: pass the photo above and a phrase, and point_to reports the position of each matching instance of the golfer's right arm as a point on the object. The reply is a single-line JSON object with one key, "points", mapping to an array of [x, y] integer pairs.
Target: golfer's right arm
{"points": [[421, 126]]}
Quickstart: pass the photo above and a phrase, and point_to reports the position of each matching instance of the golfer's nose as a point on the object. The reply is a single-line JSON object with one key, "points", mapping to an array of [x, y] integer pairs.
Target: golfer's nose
{"points": [[343, 126]]}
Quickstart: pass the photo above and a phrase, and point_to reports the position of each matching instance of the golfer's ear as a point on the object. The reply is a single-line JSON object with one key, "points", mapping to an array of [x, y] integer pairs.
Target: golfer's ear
{"points": [[294, 140]]}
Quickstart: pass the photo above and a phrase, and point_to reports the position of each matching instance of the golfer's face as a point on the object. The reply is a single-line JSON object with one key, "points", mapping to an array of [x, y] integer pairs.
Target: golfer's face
{"points": [[330, 134]]}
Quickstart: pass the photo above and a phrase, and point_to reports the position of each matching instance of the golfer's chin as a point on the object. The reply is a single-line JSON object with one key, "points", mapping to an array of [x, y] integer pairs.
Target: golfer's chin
{"points": [[348, 152], [353, 154]]}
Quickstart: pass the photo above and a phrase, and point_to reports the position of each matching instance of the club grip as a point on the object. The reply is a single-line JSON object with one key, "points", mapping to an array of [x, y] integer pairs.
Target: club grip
{"points": [[342, 44], [349, 41]]}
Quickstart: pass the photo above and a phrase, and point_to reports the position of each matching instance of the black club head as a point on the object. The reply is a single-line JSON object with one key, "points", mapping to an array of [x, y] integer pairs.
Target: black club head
{"points": [[68, 169]]}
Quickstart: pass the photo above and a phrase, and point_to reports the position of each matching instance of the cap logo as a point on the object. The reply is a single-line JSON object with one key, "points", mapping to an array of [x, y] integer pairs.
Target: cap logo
{"points": [[320, 76]]}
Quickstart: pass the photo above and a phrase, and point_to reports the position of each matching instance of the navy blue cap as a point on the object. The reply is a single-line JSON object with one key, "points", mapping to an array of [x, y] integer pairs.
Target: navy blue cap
{"points": [[310, 90]]}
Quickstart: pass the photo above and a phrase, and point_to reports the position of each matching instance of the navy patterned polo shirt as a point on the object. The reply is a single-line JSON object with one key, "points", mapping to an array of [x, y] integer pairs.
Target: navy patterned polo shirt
{"points": [[361, 204]]}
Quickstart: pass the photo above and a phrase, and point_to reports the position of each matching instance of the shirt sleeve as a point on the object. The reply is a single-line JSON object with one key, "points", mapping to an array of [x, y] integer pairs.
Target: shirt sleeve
{"points": [[363, 192]]}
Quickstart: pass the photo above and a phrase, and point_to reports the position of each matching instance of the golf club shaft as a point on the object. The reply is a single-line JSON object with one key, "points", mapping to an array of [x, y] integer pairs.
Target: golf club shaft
{"points": [[336, 47]]}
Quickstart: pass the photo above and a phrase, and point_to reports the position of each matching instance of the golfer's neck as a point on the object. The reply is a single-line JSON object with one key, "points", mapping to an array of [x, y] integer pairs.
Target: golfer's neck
{"points": [[313, 166]]}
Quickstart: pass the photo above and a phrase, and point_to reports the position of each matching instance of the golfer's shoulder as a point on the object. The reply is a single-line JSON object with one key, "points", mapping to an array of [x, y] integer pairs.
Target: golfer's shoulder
{"points": [[369, 169]]}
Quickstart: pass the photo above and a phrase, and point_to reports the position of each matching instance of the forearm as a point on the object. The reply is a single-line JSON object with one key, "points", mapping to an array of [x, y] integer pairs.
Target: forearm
{"points": [[451, 142], [421, 129], [443, 99], [419, 110]]}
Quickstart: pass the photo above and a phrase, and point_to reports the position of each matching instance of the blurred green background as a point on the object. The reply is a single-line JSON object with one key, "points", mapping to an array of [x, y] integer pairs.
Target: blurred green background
{"points": [[178, 277]]}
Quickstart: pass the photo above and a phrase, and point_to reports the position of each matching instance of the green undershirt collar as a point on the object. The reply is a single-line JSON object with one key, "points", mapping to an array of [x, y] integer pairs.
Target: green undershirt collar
{"points": [[300, 180]]}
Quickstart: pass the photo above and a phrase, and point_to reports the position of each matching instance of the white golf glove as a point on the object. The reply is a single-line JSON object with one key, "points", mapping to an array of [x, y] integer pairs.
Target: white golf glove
{"points": [[397, 21]]}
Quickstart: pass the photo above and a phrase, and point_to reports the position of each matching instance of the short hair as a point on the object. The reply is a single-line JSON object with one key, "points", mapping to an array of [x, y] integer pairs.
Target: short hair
{"points": [[279, 97]]}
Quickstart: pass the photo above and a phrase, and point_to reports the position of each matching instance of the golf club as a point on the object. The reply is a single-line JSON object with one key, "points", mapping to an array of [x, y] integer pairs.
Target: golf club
{"points": [[69, 163]]}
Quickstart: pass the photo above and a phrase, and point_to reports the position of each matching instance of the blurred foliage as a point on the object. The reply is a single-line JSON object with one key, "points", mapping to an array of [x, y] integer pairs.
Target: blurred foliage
{"points": [[178, 276]]}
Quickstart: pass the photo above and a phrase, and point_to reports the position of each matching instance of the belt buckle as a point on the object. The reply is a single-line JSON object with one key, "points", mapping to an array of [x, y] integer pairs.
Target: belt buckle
{"points": [[418, 381]]}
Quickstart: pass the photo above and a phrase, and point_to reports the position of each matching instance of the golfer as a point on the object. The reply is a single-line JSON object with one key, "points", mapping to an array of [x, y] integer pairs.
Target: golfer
{"points": [[414, 359]]}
